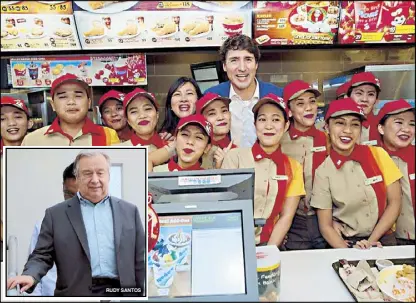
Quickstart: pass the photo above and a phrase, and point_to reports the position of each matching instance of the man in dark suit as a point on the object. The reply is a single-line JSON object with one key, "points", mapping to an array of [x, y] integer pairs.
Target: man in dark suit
{"points": [[240, 59], [96, 241]]}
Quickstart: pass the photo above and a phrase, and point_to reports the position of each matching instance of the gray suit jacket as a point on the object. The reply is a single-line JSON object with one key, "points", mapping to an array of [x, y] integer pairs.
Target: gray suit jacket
{"points": [[63, 240]]}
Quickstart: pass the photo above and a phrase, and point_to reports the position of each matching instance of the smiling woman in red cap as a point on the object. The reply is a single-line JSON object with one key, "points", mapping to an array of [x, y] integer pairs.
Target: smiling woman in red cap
{"points": [[193, 138], [356, 189], [278, 178], [397, 131], [308, 145], [364, 90], [112, 114], [71, 100], [142, 115], [216, 110]]}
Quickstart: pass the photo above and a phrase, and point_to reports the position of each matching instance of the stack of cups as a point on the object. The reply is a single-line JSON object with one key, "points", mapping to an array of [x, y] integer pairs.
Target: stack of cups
{"points": [[268, 273]]}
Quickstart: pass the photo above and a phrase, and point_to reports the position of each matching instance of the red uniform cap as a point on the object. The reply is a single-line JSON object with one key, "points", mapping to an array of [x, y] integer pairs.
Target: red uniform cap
{"points": [[18, 103], [365, 78], [206, 99], [138, 92], [112, 94], [198, 119], [272, 99], [343, 90], [296, 88], [68, 78], [394, 107], [343, 107]]}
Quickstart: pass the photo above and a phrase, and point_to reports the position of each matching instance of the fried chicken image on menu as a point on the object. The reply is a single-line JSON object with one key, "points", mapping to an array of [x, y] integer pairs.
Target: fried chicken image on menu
{"points": [[96, 30], [166, 28], [100, 4], [196, 28], [130, 29]]}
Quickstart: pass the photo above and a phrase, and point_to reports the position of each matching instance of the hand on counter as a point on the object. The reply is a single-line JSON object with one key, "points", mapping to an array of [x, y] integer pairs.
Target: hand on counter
{"points": [[365, 244]]}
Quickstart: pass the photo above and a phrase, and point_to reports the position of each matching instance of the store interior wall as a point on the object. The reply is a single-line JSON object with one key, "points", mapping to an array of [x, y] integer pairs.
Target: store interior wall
{"points": [[35, 183], [276, 66]]}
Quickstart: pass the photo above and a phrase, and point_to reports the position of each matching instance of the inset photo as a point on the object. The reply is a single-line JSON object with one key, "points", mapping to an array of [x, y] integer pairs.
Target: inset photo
{"points": [[75, 221]]}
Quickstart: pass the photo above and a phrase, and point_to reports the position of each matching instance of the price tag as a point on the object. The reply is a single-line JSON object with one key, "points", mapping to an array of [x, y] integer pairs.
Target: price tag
{"points": [[202, 180]]}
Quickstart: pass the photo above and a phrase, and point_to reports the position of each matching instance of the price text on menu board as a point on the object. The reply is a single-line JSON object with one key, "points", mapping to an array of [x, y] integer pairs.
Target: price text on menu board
{"points": [[153, 24], [38, 25], [117, 70]]}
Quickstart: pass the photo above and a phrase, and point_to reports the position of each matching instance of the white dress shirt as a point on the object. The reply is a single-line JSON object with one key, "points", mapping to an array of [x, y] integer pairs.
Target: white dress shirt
{"points": [[243, 131]]}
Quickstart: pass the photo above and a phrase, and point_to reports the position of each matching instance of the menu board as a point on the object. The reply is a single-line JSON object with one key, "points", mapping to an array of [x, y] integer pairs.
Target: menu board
{"points": [[295, 22], [153, 24], [38, 25], [112, 70], [377, 22]]}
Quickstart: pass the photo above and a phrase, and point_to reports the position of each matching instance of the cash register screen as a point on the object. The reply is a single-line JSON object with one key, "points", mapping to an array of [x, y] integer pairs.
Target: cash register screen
{"points": [[198, 255]]}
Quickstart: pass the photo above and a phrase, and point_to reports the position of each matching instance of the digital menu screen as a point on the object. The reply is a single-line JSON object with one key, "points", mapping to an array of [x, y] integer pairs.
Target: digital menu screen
{"points": [[193, 247]]}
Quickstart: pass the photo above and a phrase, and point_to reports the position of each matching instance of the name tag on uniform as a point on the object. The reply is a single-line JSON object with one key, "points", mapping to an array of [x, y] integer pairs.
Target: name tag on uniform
{"points": [[318, 149], [371, 142], [280, 177], [412, 176], [373, 180]]}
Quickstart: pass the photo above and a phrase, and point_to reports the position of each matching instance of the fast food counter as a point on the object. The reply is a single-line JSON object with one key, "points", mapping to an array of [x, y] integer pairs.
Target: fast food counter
{"points": [[309, 276]]}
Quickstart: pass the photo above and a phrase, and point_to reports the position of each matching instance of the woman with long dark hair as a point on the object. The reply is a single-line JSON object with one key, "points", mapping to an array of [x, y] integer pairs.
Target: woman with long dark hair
{"points": [[180, 103]]}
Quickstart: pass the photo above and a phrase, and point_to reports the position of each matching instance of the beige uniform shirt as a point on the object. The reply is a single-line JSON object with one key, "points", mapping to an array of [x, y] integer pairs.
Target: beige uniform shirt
{"points": [[41, 137], [405, 226], [354, 204], [365, 137], [266, 186], [150, 147], [301, 150]]}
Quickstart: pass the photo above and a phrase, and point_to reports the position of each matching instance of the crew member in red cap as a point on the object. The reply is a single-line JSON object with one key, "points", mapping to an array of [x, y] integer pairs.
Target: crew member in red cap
{"points": [[356, 189], [112, 114], [15, 122], [364, 90], [397, 131], [216, 110], [193, 138], [307, 145], [70, 101], [142, 115], [278, 178], [342, 91]]}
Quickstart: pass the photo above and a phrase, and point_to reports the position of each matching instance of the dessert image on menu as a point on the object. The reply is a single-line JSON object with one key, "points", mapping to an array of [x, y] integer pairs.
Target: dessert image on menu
{"points": [[97, 30], [197, 28], [36, 31], [130, 29], [165, 28]]}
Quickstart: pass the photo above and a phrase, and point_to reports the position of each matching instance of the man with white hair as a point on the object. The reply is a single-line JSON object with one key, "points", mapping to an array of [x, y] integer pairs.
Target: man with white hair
{"points": [[96, 240]]}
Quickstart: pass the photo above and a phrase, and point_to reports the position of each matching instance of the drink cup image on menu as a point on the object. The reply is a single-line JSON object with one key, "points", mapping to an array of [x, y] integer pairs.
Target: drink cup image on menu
{"points": [[181, 244], [164, 260]]}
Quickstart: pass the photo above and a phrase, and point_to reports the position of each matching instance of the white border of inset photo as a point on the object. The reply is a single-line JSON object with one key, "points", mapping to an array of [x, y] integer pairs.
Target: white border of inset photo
{"points": [[38, 176]]}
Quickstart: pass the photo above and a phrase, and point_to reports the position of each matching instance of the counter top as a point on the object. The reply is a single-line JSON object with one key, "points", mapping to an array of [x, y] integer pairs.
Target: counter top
{"points": [[308, 275]]}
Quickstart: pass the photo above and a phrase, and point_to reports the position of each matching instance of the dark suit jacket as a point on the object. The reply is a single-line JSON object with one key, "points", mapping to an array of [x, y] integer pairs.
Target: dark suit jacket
{"points": [[63, 240], [223, 89]]}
